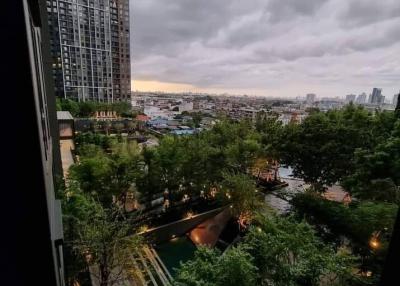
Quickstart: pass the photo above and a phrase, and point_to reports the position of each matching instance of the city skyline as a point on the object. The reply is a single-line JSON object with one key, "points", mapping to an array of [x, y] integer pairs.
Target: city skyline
{"points": [[266, 48]]}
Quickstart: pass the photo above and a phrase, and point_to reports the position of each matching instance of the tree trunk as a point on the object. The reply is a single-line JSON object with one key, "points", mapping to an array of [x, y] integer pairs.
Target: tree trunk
{"points": [[104, 275], [103, 267]]}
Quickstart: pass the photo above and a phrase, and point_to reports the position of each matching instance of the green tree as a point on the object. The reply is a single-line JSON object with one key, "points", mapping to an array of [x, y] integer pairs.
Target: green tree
{"points": [[321, 149], [148, 182], [90, 150], [270, 129], [240, 192], [122, 108], [107, 244], [169, 158], [118, 127], [357, 222], [94, 175], [86, 108], [126, 163], [69, 105], [197, 170], [210, 268], [289, 253], [108, 176], [276, 251], [75, 208], [58, 104], [241, 154], [101, 140], [377, 175], [237, 268]]}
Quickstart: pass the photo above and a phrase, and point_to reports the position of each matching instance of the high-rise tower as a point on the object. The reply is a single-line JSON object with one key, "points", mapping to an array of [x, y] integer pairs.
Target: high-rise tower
{"points": [[90, 49], [310, 98], [376, 97], [361, 98]]}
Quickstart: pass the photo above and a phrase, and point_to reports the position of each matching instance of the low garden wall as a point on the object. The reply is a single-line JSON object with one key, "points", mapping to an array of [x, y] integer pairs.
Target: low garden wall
{"points": [[174, 229]]}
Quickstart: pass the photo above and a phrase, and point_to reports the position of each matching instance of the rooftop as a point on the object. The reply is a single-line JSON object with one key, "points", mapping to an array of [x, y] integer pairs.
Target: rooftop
{"points": [[142, 117], [64, 115]]}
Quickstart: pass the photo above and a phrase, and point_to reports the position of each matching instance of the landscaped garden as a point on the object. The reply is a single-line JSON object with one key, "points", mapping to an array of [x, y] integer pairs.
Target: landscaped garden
{"points": [[318, 241]]}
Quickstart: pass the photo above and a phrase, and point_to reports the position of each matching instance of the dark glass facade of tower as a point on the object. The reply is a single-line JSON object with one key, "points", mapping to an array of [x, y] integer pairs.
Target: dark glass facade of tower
{"points": [[90, 49], [376, 97]]}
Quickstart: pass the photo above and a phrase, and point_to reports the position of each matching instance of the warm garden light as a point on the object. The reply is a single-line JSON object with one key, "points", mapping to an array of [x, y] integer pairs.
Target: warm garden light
{"points": [[374, 243], [189, 215], [143, 228], [185, 198], [166, 203]]}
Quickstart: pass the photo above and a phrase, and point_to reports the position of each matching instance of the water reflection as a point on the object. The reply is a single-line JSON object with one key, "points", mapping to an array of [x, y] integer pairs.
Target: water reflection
{"points": [[334, 193], [294, 186]]}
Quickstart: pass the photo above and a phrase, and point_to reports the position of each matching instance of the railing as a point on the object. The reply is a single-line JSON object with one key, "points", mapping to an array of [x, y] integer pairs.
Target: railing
{"points": [[151, 268]]}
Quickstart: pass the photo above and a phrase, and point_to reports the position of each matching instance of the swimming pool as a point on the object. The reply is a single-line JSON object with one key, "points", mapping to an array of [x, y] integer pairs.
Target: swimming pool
{"points": [[177, 250]]}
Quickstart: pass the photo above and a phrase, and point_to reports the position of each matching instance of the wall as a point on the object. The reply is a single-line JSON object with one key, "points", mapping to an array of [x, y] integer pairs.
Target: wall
{"points": [[178, 228]]}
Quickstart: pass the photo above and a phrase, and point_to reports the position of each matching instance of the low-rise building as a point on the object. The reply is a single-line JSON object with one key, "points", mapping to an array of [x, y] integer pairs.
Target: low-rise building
{"points": [[65, 125]]}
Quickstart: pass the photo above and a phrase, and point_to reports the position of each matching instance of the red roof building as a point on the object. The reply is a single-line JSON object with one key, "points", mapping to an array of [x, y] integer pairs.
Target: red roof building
{"points": [[142, 117]]}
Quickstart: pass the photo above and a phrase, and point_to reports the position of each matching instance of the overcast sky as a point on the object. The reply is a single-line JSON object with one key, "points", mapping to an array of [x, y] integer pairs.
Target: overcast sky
{"points": [[283, 48]]}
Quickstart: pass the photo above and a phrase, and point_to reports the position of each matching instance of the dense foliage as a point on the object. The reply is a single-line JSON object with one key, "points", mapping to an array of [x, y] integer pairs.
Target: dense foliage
{"points": [[377, 174], [276, 251], [98, 241], [357, 222], [327, 148], [107, 176], [88, 108], [196, 163]]}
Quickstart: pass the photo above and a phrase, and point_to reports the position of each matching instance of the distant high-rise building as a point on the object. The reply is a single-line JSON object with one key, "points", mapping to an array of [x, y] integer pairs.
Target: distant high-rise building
{"points": [[90, 49], [361, 98], [376, 96], [395, 99], [310, 98], [350, 98]]}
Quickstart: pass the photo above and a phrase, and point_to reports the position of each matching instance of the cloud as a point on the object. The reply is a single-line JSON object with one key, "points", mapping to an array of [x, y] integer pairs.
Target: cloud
{"points": [[361, 12], [286, 9], [271, 47]]}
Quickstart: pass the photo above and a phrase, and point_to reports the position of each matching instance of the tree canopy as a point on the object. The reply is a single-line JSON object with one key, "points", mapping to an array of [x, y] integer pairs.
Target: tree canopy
{"points": [[88, 108], [276, 251]]}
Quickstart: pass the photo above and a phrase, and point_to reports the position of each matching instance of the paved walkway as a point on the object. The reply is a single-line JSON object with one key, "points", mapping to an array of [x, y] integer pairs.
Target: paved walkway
{"points": [[208, 232], [66, 155]]}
